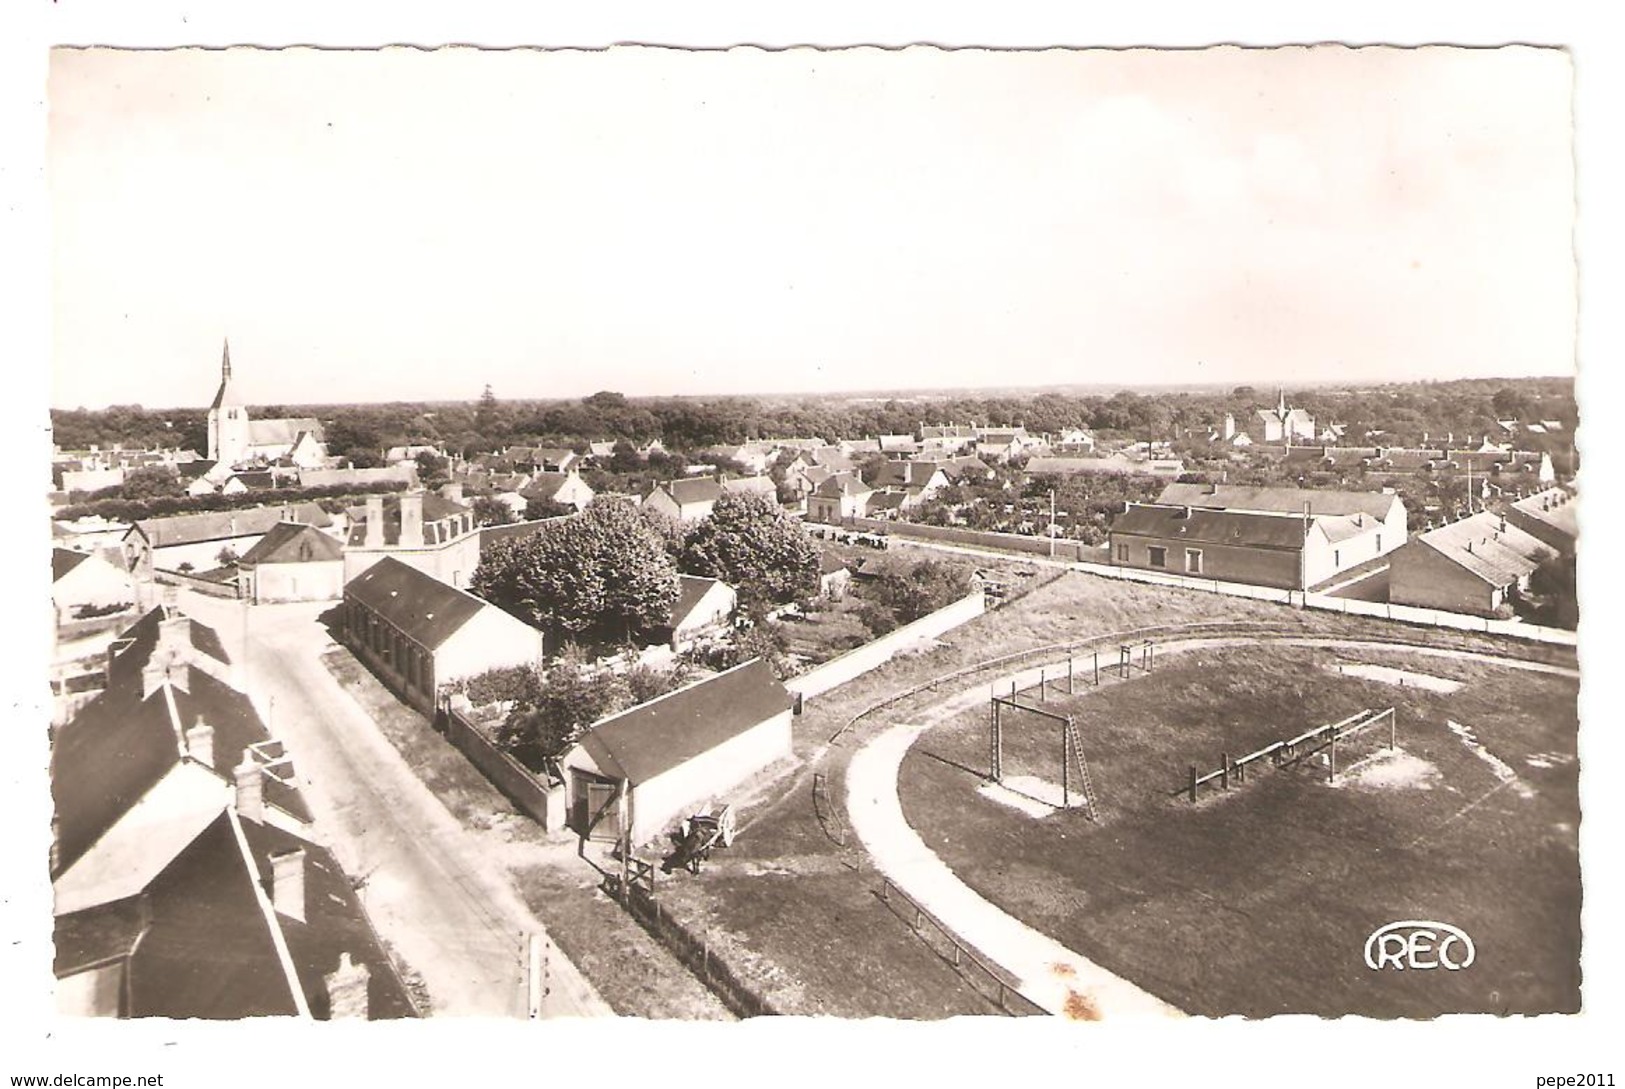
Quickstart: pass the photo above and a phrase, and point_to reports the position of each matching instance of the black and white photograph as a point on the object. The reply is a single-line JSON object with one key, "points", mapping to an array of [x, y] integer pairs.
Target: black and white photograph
{"points": [[669, 536]]}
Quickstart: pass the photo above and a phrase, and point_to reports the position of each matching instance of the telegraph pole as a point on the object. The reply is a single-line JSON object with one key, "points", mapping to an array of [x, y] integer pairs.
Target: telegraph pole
{"points": [[1052, 523]]}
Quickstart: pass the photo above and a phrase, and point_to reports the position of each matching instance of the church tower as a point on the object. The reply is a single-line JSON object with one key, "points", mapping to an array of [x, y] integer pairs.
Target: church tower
{"points": [[228, 418]]}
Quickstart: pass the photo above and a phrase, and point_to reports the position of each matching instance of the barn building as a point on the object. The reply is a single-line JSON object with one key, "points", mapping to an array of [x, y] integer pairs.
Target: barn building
{"points": [[418, 633], [648, 766]]}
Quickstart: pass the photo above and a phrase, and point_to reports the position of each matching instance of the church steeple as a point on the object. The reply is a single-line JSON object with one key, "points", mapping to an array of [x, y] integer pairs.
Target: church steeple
{"points": [[225, 395]]}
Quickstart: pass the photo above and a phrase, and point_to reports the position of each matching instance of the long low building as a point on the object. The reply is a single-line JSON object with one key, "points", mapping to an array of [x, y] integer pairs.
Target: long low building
{"points": [[641, 770], [1288, 538], [419, 633], [1471, 566]]}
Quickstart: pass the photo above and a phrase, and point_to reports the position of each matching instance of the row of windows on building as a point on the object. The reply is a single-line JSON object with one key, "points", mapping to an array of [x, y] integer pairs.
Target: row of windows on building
{"points": [[396, 651]]}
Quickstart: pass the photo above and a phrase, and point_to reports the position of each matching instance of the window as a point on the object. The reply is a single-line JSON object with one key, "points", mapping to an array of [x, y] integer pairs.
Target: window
{"points": [[1379, 544], [1157, 556], [1337, 559], [1122, 553], [1193, 561]]}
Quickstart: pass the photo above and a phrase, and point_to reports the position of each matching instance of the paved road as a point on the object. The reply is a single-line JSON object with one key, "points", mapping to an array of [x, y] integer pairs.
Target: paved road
{"points": [[1048, 972], [451, 915]]}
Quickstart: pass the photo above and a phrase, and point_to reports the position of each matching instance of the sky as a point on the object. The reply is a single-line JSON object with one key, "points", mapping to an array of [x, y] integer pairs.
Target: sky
{"points": [[409, 224]]}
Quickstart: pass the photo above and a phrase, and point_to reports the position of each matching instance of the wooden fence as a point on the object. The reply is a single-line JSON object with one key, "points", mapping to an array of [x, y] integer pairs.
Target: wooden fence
{"points": [[992, 983], [1289, 751], [693, 951]]}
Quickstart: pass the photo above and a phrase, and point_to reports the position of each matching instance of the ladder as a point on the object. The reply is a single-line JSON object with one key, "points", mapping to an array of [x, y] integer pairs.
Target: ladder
{"points": [[1091, 804]]}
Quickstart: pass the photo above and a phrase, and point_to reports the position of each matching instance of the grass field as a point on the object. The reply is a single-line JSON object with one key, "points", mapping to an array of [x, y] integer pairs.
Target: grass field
{"points": [[1259, 900]]}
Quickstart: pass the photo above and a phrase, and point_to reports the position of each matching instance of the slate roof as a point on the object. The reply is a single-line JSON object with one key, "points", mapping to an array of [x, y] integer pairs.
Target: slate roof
{"points": [[751, 485], [182, 529], [122, 744], [545, 485], [423, 607], [1497, 552], [830, 563], [293, 542], [657, 736], [436, 509], [1240, 497], [1274, 531]]}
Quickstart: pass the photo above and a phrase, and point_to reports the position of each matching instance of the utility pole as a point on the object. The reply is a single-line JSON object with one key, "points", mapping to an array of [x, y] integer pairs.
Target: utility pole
{"points": [[1052, 523]]}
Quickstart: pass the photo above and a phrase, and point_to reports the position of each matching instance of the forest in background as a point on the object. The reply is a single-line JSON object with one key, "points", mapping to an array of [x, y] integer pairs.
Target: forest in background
{"points": [[1406, 412]]}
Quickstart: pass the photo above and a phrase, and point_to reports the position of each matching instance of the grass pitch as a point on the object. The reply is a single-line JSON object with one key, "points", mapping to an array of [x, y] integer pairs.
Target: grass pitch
{"points": [[1258, 901]]}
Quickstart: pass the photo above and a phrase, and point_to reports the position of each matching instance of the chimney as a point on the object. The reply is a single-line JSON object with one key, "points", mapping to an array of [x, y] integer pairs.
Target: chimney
{"points": [[1213, 487], [200, 743], [288, 883], [454, 490], [169, 598], [412, 520], [250, 788], [375, 521], [347, 989]]}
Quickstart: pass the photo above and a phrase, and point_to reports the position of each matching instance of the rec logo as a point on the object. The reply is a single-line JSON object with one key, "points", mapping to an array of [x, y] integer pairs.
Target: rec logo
{"points": [[1419, 944]]}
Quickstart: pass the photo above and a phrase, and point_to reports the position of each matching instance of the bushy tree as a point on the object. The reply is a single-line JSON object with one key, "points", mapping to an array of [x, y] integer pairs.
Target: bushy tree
{"points": [[600, 577], [913, 591], [489, 511], [751, 544], [571, 698]]}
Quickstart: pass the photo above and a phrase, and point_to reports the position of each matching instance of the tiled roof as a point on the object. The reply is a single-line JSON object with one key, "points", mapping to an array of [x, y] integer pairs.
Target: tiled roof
{"points": [[1275, 531], [1483, 544], [283, 432], [420, 605], [1555, 507], [655, 737], [693, 490], [843, 484], [1240, 497], [293, 542]]}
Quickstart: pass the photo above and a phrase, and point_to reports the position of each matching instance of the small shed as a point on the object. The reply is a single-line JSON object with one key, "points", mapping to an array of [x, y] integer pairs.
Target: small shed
{"points": [[703, 605], [643, 769]]}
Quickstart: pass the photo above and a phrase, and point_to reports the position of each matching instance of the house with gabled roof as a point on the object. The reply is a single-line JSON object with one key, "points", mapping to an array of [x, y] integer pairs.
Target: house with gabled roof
{"points": [[1470, 566], [687, 500], [89, 582], [186, 879], [293, 562], [841, 496], [419, 634], [646, 768], [751, 485], [1290, 538], [566, 489]]}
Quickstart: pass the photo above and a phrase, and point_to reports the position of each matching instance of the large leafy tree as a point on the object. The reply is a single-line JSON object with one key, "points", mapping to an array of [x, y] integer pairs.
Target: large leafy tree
{"points": [[752, 545], [597, 578]]}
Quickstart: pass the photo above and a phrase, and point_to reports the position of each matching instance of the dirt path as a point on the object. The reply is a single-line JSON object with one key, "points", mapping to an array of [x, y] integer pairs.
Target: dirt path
{"points": [[1051, 975], [429, 887]]}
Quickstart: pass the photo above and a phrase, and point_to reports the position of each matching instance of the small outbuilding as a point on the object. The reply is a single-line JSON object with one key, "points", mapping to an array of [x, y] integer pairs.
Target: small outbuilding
{"points": [[644, 769], [1472, 566], [703, 606]]}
